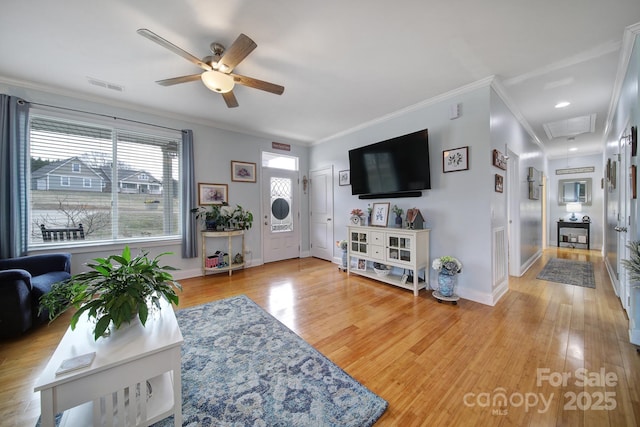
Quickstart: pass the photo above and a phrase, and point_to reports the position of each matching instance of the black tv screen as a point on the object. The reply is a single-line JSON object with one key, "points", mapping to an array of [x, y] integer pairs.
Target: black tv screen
{"points": [[396, 165]]}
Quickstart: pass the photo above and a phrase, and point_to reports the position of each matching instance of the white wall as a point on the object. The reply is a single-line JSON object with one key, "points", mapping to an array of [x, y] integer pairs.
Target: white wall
{"points": [[458, 207], [594, 211], [214, 148]]}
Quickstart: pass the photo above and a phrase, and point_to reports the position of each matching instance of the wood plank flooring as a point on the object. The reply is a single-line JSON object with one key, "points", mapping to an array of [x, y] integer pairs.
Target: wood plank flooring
{"points": [[436, 364]]}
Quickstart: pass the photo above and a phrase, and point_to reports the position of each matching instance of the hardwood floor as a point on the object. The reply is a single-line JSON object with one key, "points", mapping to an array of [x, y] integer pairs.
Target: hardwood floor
{"points": [[436, 364]]}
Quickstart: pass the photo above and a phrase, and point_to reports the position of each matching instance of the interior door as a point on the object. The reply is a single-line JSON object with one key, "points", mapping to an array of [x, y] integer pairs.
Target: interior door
{"points": [[280, 218], [321, 224], [623, 182], [513, 214]]}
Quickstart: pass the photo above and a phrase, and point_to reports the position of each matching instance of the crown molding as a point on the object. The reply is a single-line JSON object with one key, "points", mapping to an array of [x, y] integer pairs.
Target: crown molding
{"points": [[423, 104]]}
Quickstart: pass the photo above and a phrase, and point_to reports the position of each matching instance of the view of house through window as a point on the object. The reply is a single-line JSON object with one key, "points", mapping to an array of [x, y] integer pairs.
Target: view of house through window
{"points": [[117, 183]]}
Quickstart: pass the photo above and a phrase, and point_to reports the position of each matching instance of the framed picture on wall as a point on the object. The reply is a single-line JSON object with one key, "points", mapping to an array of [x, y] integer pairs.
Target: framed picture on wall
{"points": [[455, 160], [212, 194], [499, 161], [499, 186], [344, 178], [243, 171]]}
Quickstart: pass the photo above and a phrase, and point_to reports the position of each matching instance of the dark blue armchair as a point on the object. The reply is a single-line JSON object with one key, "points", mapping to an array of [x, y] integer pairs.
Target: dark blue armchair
{"points": [[22, 282]]}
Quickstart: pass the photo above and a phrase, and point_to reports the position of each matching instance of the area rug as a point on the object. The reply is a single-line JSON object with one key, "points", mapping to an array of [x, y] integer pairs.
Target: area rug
{"points": [[577, 273], [242, 367]]}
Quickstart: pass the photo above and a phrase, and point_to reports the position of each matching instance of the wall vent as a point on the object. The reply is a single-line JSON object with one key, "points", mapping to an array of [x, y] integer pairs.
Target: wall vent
{"points": [[499, 256], [106, 85]]}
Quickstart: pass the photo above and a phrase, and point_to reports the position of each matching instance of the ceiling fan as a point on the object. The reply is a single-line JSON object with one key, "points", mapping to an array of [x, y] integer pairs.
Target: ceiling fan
{"points": [[217, 74]]}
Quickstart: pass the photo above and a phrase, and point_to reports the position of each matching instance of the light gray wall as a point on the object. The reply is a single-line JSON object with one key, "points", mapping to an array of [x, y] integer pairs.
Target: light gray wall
{"points": [[214, 148], [594, 211], [507, 131], [458, 207]]}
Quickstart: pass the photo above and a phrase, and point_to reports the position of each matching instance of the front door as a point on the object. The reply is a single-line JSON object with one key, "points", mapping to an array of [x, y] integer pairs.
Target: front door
{"points": [[321, 224], [280, 219]]}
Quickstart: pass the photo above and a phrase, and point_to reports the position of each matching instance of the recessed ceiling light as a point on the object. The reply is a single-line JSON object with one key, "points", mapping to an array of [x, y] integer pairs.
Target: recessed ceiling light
{"points": [[573, 149], [562, 104]]}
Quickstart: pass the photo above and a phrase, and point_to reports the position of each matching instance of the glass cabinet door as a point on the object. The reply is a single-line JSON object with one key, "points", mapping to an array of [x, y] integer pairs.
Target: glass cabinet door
{"points": [[358, 242], [399, 248]]}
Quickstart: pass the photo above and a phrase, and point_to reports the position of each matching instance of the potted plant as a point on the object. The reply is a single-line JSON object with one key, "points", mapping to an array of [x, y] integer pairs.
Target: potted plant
{"points": [[398, 211], [447, 267], [212, 216], [114, 291], [633, 265], [242, 218]]}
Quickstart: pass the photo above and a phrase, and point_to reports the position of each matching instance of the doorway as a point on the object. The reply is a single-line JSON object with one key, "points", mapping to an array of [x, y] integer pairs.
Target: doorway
{"points": [[280, 220], [321, 224]]}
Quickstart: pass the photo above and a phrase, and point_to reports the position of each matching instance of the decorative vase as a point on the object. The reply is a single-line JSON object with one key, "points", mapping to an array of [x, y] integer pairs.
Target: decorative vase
{"points": [[398, 221], [447, 282], [344, 259]]}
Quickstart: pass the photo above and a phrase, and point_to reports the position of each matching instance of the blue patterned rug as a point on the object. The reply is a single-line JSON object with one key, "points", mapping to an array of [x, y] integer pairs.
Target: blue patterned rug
{"points": [[242, 367], [577, 273]]}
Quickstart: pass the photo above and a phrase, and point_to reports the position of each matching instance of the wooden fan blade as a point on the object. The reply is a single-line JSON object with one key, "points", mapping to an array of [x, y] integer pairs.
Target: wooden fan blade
{"points": [[176, 80], [239, 50], [230, 99], [258, 84], [173, 48]]}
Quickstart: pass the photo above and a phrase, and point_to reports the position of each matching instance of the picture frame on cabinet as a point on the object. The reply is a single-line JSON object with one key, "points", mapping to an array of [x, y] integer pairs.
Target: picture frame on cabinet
{"points": [[380, 214], [212, 194], [361, 264]]}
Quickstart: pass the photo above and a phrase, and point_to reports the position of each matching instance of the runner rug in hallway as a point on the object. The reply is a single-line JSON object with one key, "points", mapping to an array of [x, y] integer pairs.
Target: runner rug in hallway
{"points": [[242, 367], [569, 272]]}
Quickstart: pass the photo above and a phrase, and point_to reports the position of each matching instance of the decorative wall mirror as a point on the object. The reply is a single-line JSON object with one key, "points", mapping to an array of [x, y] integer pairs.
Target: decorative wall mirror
{"points": [[574, 191]]}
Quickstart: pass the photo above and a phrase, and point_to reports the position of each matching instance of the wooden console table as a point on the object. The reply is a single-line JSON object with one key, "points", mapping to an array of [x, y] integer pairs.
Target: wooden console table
{"points": [[139, 365], [585, 225]]}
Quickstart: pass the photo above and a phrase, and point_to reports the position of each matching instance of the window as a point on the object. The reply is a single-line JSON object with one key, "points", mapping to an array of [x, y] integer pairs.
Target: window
{"points": [[279, 161], [120, 184]]}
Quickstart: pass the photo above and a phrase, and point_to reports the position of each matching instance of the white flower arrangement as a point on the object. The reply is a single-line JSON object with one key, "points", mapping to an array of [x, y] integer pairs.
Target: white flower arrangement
{"points": [[448, 263]]}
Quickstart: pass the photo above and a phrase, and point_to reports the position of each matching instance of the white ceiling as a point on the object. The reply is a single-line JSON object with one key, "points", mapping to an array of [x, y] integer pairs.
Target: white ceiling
{"points": [[342, 63]]}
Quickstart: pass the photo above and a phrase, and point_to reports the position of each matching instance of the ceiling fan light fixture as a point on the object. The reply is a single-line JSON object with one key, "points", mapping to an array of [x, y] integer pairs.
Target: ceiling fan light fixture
{"points": [[217, 82]]}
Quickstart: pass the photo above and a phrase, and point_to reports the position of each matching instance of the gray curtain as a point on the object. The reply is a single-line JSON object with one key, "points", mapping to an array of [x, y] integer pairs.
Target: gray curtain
{"points": [[190, 232], [14, 129]]}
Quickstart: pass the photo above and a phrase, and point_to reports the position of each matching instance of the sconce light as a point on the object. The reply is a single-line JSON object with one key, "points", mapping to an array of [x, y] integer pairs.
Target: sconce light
{"points": [[305, 182], [573, 208]]}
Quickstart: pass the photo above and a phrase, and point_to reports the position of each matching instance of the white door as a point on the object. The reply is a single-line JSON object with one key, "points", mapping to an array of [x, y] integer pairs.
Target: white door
{"points": [[513, 213], [321, 212], [280, 219], [624, 183]]}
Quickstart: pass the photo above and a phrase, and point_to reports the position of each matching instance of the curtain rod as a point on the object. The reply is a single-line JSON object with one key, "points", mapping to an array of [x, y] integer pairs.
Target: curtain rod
{"points": [[105, 115]]}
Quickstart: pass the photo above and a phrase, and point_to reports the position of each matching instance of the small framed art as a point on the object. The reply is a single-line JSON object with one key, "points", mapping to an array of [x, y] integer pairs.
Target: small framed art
{"points": [[361, 264], [212, 194], [455, 160], [499, 161], [344, 178], [380, 214], [499, 183], [243, 171]]}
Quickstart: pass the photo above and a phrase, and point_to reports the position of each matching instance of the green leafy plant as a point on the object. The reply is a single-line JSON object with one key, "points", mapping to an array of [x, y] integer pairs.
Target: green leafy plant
{"points": [[396, 210], [242, 218], [632, 265], [114, 291]]}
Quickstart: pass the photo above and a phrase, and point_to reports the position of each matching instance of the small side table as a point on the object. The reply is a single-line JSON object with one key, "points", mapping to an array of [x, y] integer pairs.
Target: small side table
{"points": [[585, 225]]}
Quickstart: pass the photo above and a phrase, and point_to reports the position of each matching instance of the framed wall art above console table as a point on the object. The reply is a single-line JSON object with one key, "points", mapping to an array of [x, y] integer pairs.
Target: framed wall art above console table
{"points": [[402, 248]]}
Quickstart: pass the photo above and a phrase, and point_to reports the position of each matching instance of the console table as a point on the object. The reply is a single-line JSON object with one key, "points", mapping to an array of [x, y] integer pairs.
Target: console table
{"points": [[139, 365], [585, 225], [396, 247], [229, 235]]}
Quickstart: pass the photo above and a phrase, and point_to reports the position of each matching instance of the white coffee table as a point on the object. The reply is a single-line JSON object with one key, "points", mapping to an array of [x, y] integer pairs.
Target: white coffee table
{"points": [[99, 394]]}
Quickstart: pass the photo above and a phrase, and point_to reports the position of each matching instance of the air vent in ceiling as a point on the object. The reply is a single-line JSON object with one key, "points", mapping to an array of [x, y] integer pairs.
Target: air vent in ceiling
{"points": [[570, 127], [105, 85]]}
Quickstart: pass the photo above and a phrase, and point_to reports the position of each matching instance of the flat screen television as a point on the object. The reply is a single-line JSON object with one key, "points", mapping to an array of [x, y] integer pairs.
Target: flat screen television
{"points": [[397, 167]]}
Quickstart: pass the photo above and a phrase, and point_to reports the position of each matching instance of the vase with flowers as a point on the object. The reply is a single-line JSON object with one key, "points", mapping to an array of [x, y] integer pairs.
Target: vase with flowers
{"points": [[398, 211], [448, 268], [342, 244]]}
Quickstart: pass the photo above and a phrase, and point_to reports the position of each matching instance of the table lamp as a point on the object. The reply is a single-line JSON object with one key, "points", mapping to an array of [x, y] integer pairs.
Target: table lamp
{"points": [[573, 208]]}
